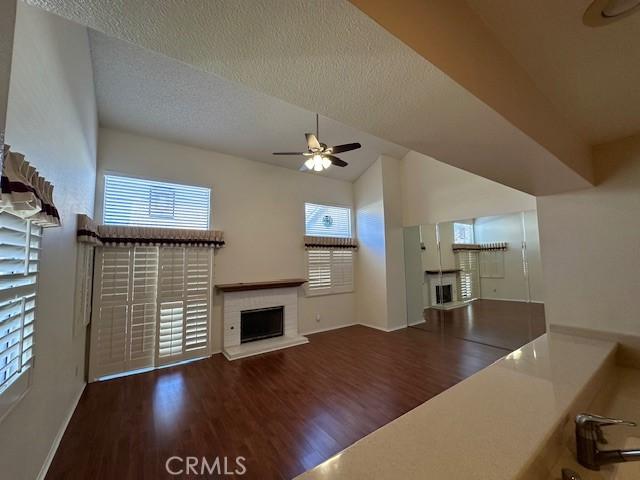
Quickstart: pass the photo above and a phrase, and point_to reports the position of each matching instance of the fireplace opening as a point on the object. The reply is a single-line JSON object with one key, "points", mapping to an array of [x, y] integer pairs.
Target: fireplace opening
{"points": [[261, 323], [444, 294]]}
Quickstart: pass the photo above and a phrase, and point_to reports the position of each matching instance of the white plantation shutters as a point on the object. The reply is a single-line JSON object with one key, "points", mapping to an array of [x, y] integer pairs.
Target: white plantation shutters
{"points": [[342, 271], [151, 307], [150, 203], [329, 271], [319, 271], [123, 327], [469, 278], [19, 265], [183, 303]]}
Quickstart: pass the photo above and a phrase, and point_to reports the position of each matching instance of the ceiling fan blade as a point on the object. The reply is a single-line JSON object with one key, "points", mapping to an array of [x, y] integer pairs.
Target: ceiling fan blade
{"points": [[313, 142], [289, 153], [338, 162], [347, 147]]}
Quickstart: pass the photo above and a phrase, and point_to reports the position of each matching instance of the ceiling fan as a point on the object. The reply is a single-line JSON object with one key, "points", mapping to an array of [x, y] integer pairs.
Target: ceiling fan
{"points": [[321, 157]]}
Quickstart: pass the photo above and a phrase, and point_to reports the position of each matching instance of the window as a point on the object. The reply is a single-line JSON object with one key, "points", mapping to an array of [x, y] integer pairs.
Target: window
{"points": [[329, 267], [468, 279], [19, 257], [462, 233], [149, 203], [327, 221]]}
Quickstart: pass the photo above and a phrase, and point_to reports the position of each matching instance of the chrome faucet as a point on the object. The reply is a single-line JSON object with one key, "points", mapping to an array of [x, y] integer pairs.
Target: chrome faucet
{"points": [[589, 434]]}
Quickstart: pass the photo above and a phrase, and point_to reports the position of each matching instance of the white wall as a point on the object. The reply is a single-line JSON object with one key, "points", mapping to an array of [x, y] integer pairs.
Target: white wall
{"points": [[371, 267], [437, 192], [590, 243], [7, 23], [394, 244], [534, 257], [414, 274], [380, 298], [260, 208], [504, 228], [52, 119]]}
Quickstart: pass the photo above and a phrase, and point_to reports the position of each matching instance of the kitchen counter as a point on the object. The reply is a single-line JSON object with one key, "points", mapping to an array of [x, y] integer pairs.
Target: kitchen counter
{"points": [[490, 426]]}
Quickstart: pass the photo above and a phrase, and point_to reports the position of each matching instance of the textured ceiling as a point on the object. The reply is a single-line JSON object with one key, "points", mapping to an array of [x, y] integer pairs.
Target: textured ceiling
{"points": [[590, 74], [147, 93], [328, 56]]}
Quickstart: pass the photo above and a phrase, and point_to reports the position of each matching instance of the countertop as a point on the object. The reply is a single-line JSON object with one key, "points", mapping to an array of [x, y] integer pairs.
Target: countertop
{"points": [[489, 426]]}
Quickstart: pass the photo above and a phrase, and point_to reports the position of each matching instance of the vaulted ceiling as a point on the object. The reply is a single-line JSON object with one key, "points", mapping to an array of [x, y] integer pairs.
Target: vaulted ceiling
{"points": [[333, 58], [148, 93]]}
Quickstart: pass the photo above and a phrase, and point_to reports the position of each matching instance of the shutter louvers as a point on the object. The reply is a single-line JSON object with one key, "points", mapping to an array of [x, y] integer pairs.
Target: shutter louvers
{"points": [[198, 291], [342, 270], [123, 332], [153, 307], [319, 274], [184, 299], [468, 279], [329, 271], [19, 264]]}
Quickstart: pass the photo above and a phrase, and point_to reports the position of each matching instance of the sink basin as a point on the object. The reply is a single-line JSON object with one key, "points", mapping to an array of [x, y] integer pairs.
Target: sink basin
{"points": [[619, 399]]}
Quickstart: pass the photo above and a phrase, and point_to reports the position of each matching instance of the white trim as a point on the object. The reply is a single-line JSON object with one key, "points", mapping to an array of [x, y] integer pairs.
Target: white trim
{"points": [[324, 294], [417, 323], [384, 329], [510, 300], [58, 437], [263, 346], [320, 330]]}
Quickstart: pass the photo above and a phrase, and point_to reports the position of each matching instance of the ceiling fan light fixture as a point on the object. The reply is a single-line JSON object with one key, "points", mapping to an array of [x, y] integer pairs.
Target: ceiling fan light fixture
{"points": [[317, 163], [326, 163], [309, 163]]}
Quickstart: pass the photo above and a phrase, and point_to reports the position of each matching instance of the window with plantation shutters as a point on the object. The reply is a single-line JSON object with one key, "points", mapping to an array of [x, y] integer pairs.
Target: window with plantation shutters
{"points": [[469, 277], [124, 320], [149, 203], [151, 307], [19, 265], [183, 303], [329, 270]]}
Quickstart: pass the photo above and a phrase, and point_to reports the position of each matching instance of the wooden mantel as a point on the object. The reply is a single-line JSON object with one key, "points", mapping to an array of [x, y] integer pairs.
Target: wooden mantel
{"points": [[239, 287]]}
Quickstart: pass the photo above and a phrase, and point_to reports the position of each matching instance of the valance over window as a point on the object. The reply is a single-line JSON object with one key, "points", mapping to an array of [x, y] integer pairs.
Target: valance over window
{"points": [[89, 232], [480, 246], [311, 242], [24, 193]]}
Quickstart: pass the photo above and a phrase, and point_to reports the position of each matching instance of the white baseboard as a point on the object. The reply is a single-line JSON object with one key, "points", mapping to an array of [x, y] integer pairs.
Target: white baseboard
{"points": [[59, 435], [383, 329], [413, 324], [320, 330], [510, 300]]}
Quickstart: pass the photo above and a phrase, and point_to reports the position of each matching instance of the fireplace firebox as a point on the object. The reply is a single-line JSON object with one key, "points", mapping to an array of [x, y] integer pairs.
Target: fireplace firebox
{"points": [[444, 294], [261, 323]]}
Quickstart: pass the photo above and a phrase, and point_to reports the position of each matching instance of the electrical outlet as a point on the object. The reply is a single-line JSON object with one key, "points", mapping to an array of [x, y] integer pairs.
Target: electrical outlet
{"points": [[317, 317]]}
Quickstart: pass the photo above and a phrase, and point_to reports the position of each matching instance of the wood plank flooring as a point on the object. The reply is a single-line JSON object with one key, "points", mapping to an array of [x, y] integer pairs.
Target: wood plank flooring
{"points": [[285, 411], [499, 323]]}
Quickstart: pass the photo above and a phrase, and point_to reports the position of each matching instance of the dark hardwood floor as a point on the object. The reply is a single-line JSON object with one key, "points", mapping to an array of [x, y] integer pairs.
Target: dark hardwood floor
{"points": [[498, 323], [285, 411]]}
